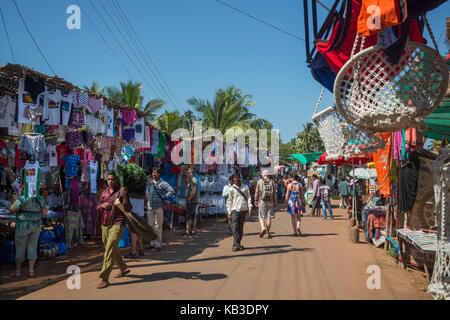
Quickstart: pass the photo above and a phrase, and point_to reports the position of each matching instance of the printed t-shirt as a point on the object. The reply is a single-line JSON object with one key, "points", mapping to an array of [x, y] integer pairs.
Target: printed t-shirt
{"points": [[71, 162], [93, 171], [52, 107], [53, 156], [32, 179], [61, 151]]}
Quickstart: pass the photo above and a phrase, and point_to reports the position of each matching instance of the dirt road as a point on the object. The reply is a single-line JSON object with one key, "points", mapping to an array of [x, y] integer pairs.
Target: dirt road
{"points": [[322, 264]]}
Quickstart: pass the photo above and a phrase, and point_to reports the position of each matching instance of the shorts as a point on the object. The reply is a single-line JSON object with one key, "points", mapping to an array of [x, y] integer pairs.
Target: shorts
{"points": [[190, 211], [266, 210]]}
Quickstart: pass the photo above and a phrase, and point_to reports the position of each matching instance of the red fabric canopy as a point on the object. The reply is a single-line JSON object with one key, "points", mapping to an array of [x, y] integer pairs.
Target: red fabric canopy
{"points": [[359, 159]]}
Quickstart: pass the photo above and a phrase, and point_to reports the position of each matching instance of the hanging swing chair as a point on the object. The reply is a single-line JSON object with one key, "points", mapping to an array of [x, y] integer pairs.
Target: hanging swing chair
{"points": [[376, 95], [341, 139]]}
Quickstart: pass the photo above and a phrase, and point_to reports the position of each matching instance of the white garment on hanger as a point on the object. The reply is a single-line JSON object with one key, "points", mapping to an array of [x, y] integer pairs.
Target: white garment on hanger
{"points": [[139, 133], [31, 177], [7, 111], [93, 171], [21, 105], [53, 155], [52, 107], [66, 108]]}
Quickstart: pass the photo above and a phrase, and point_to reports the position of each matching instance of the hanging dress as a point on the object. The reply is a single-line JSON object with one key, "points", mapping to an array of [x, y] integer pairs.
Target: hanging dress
{"points": [[295, 205]]}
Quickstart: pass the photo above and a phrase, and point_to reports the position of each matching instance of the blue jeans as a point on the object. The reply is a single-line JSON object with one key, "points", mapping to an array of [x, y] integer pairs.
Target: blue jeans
{"points": [[325, 205]]}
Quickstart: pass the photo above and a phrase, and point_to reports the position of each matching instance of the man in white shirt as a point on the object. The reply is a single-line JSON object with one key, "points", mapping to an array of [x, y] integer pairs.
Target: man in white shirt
{"points": [[316, 202], [225, 194], [239, 202]]}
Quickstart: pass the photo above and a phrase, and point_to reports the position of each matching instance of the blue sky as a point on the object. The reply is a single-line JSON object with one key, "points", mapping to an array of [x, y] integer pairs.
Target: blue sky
{"points": [[197, 45]]}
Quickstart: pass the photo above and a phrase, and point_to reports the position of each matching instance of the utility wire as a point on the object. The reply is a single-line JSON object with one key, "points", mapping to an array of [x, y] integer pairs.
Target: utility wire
{"points": [[261, 21], [146, 51], [123, 49], [31, 35], [164, 93], [106, 43], [133, 38], [7, 36]]}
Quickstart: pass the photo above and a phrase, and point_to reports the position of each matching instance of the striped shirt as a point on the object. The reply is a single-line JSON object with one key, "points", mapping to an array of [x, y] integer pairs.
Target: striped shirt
{"points": [[164, 190]]}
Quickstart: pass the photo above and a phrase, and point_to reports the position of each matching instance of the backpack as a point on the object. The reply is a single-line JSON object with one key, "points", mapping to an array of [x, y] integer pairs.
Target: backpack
{"points": [[267, 190]]}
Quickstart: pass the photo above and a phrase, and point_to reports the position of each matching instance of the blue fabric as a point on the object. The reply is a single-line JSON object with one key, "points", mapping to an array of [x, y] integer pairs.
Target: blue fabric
{"points": [[322, 72], [166, 169], [127, 152], [125, 241], [148, 162], [58, 231], [71, 162], [171, 179], [62, 249], [46, 236], [7, 252]]}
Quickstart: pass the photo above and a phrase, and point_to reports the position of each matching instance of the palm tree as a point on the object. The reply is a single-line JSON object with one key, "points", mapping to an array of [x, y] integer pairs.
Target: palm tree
{"points": [[95, 89], [129, 93], [169, 121], [309, 139], [151, 109], [229, 110]]}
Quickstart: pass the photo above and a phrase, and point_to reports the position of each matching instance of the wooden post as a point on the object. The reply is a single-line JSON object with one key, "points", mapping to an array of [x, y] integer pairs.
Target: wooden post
{"points": [[388, 214]]}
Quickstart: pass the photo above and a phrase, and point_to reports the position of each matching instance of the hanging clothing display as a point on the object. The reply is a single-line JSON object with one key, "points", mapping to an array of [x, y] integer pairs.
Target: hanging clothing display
{"points": [[7, 111], [71, 162], [408, 175], [32, 144], [383, 164], [32, 179], [88, 204], [93, 171], [52, 107]]}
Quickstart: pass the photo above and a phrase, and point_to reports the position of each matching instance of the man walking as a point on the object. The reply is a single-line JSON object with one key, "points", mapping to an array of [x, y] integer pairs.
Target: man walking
{"points": [[225, 194], [191, 202], [238, 204], [343, 188], [266, 201], [159, 190], [325, 193], [316, 195], [113, 221]]}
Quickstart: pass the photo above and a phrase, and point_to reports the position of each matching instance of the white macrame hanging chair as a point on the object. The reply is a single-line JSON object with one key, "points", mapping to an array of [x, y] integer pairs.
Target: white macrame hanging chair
{"points": [[341, 139], [440, 282], [374, 94]]}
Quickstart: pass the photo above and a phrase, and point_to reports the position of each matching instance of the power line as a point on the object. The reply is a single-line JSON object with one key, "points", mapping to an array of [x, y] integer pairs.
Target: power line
{"points": [[32, 38], [131, 49], [120, 45], [133, 31], [127, 29], [7, 36], [106, 43], [259, 20]]}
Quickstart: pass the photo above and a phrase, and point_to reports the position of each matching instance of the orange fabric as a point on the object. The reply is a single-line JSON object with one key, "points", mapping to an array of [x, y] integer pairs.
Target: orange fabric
{"points": [[388, 11], [383, 163]]}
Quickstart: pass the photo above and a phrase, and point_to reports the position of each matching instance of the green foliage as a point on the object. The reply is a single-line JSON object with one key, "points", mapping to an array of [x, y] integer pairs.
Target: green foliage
{"points": [[95, 88], [133, 177]]}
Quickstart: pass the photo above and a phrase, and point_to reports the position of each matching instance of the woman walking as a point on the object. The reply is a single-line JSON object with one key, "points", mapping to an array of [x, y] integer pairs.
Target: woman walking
{"points": [[29, 213], [295, 204]]}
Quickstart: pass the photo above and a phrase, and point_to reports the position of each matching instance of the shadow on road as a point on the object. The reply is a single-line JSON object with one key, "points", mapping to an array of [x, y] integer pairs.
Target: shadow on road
{"points": [[161, 276], [238, 254]]}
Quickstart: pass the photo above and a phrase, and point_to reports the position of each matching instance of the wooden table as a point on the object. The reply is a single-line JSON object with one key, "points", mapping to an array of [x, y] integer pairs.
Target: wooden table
{"points": [[405, 244]]}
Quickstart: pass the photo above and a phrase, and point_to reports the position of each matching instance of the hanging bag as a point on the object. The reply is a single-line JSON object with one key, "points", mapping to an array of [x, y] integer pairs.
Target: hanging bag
{"points": [[375, 95], [341, 139]]}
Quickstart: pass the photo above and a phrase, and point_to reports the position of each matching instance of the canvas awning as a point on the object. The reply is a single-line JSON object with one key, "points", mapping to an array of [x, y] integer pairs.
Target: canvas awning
{"points": [[306, 158], [438, 122]]}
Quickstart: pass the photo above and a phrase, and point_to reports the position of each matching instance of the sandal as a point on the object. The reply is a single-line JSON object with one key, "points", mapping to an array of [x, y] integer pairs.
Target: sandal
{"points": [[261, 234], [16, 274], [141, 252], [31, 274], [103, 285], [122, 274], [131, 255]]}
